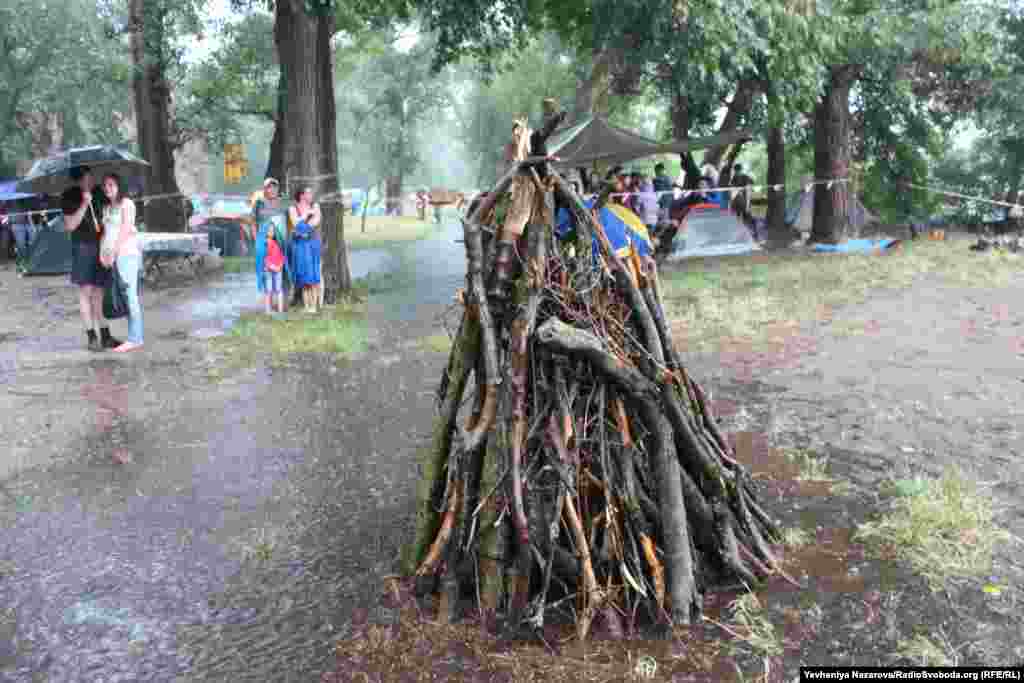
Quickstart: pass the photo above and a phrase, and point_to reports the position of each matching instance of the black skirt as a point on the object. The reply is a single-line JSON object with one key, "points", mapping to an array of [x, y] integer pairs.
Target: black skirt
{"points": [[86, 268]]}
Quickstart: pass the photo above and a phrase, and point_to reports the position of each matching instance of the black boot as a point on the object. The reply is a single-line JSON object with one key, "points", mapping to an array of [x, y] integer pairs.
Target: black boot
{"points": [[93, 342], [108, 341]]}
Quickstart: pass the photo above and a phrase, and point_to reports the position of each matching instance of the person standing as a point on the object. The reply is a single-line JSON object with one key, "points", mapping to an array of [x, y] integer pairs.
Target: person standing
{"points": [[306, 266], [120, 245], [271, 266], [81, 211]]}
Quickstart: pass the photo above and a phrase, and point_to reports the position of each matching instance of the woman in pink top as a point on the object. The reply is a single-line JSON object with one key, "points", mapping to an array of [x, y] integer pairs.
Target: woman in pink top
{"points": [[121, 244]]}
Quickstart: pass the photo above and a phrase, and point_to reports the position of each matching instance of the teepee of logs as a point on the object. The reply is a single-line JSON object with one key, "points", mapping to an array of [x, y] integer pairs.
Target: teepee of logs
{"points": [[574, 461]]}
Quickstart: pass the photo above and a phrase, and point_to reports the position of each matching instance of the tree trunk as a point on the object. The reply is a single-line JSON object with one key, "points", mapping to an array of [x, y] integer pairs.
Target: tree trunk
{"points": [[681, 131], [310, 147], [153, 115], [739, 108], [832, 157], [393, 194], [779, 234], [592, 94], [275, 164]]}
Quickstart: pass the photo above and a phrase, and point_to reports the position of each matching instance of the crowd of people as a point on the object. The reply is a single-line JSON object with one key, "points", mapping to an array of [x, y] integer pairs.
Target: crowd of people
{"points": [[663, 210]]}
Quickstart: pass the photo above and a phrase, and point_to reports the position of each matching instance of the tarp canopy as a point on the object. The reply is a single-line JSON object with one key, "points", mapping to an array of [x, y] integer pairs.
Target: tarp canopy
{"points": [[9, 191], [50, 252], [595, 140], [710, 230]]}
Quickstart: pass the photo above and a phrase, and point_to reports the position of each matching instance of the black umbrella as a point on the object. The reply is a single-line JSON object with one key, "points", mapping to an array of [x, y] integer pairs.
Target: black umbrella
{"points": [[52, 175]]}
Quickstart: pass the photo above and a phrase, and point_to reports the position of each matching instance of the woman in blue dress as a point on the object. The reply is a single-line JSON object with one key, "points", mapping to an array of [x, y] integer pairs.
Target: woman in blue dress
{"points": [[304, 250]]}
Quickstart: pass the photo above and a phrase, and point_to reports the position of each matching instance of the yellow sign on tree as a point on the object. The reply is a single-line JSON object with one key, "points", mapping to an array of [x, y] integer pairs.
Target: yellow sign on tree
{"points": [[235, 165]]}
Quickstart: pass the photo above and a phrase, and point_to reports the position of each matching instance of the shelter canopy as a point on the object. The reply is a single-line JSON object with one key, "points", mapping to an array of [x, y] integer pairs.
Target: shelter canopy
{"points": [[595, 140]]}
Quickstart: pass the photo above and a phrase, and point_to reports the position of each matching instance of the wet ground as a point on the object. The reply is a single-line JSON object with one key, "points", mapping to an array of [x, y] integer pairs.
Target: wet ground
{"points": [[162, 527]]}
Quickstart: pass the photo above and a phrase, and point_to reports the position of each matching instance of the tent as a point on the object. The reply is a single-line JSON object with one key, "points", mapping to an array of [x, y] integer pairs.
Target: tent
{"points": [[595, 140], [710, 230], [800, 211], [50, 253], [9, 191]]}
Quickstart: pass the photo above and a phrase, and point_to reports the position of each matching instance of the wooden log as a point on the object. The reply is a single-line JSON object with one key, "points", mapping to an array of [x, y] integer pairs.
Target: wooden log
{"points": [[433, 460]]}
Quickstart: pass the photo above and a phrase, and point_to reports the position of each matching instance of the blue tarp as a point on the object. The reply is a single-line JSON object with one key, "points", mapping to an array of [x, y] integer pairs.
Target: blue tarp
{"points": [[856, 246], [622, 227], [9, 191]]}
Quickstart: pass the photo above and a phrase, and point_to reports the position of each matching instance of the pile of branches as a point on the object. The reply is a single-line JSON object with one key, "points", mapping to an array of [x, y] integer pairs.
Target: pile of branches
{"points": [[590, 472]]}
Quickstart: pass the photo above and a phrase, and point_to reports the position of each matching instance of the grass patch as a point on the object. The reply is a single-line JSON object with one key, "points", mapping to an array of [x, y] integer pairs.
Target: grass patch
{"points": [[259, 548], [750, 298], [749, 625], [795, 537], [436, 343], [812, 468], [923, 651], [386, 230], [943, 527], [239, 264], [337, 330]]}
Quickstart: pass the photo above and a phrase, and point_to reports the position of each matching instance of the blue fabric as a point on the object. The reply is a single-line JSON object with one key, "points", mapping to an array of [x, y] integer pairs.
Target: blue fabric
{"points": [[855, 246], [128, 269], [622, 227], [9, 191], [304, 255], [264, 218]]}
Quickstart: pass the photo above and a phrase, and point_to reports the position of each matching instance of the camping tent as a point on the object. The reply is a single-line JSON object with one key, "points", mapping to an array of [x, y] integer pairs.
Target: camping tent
{"points": [[595, 140], [710, 230], [800, 211], [50, 253], [9, 191]]}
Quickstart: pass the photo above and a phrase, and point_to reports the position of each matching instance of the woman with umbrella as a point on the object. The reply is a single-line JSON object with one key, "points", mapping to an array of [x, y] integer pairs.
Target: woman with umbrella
{"points": [[81, 209], [120, 245]]}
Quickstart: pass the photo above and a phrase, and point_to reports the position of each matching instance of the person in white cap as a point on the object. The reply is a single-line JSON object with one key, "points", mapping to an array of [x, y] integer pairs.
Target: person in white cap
{"points": [[271, 268]]}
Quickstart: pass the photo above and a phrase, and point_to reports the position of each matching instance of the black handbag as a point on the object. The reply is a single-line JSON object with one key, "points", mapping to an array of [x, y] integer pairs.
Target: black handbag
{"points": [[115, 296]]}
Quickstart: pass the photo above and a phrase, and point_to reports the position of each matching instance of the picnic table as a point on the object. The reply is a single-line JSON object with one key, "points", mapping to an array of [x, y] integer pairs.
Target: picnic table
{"points": [[160, 248]]}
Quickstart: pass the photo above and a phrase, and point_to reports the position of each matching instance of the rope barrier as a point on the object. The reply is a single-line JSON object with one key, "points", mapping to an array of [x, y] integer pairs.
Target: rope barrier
{"points": [[1015, 208]]}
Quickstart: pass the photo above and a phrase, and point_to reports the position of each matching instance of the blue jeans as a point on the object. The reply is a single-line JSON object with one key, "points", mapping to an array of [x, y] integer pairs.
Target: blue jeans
{"points": [[24, 235], [128, 268]]}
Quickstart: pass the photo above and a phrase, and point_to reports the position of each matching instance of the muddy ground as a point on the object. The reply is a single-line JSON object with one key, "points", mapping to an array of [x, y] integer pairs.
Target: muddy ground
{"points": [[163, 524]]}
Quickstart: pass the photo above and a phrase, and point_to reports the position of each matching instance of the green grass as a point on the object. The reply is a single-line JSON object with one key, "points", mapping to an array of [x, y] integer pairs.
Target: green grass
{"points": [[943, 527], [755, 298], [337, 330], [750, 626], [382, 231], [812, 468], [437, 343], [795, 537], [239, 264]]}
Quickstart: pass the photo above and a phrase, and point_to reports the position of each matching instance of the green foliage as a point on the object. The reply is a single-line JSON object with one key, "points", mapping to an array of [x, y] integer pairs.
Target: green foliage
{"points": [[238, 81], [391, 96], [487, 108], [48, 51]]}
